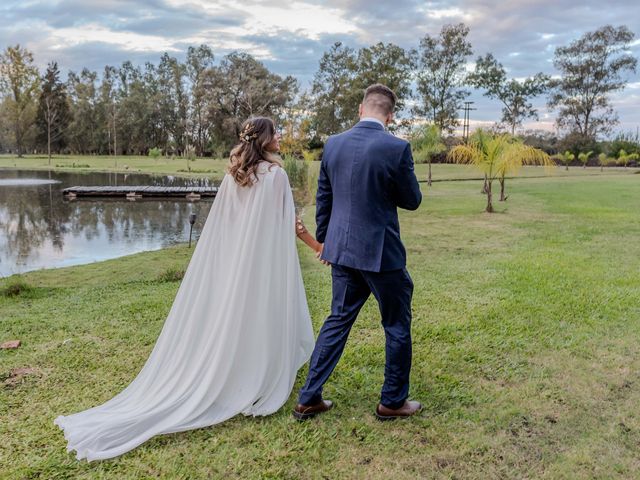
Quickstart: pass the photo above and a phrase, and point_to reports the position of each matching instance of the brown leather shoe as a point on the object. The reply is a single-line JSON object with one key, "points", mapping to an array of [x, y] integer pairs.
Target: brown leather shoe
{"points": [[305, 412], [410, 407]]}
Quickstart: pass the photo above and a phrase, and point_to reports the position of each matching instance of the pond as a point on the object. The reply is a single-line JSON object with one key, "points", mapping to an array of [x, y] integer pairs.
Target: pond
{"points": [[41, 229]]}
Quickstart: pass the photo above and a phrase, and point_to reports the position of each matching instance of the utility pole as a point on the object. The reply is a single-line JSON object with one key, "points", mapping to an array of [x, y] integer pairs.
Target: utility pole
{"points": [[465, 124]]}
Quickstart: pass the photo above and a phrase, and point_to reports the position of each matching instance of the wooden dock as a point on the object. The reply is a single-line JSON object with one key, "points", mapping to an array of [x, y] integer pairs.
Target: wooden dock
{"points": [[140, 191]]}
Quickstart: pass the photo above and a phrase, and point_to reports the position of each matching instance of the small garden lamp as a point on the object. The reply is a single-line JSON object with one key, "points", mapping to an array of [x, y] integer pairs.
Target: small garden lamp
{"points": [[192, 220]]}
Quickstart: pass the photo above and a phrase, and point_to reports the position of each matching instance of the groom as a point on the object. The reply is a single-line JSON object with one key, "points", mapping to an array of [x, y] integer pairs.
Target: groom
{"points": [[365, 175]]}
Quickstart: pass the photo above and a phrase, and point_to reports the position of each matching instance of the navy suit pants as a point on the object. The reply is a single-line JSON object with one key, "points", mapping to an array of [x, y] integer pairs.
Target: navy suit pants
{"points": [[351, 289]]}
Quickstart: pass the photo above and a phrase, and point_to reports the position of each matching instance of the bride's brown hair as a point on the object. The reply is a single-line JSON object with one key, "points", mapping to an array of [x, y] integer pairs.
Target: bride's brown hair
{"points": [[255, 135]]}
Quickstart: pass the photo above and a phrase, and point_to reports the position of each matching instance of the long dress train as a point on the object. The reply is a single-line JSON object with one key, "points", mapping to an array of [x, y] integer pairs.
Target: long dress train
{"points": [[238, 330]]}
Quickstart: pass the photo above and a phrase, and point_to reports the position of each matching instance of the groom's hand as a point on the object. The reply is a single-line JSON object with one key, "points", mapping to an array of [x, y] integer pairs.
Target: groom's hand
{"points": [[319, 253]]}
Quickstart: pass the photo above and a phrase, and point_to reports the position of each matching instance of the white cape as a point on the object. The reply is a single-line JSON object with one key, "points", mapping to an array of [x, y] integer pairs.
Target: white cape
{"points": [[238, 330]]}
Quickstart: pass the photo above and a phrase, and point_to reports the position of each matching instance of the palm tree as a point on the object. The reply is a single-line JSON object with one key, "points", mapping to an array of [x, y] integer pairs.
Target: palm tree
{"points": [[602, 161], [496, 156], [605, 161], [426, 142], [584, 158], [567, 158], [624, 158]]}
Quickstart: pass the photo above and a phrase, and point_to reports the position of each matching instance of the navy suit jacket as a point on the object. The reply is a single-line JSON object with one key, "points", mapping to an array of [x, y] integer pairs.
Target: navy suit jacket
{"points": [[366, 174]]}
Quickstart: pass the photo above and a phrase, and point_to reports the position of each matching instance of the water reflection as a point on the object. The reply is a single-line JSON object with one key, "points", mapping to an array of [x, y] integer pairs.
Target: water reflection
{"points": [[25, 182], [39, 229]]}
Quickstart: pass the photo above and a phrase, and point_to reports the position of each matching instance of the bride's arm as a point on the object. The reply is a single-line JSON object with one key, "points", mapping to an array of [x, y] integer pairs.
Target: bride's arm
{"points": [[304, 235]]}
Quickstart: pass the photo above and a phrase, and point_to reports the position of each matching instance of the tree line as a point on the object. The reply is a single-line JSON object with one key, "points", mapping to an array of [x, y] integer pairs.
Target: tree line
{"points": [[192, 107], [196, 106]]}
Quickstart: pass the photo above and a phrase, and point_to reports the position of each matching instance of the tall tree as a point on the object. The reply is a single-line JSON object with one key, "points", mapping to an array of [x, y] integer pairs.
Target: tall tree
{"points": [[175, 102], [241, 87], [383, 63], [331, 90], [85, 128], [137, 108], [19, 81], [156, 135], [592, 68], [514, 94], [198, 61], [441, 74], [53, 110], [109, 103], [344, 74], [128, 106]]}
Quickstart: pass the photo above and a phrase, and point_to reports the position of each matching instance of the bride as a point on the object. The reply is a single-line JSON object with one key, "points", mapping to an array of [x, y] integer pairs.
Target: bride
{"points": [[239, 328]]}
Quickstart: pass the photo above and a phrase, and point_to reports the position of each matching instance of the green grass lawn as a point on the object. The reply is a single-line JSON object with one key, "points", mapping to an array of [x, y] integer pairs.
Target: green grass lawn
{"points": [[526, 352], [215, 168], [130, 163]]}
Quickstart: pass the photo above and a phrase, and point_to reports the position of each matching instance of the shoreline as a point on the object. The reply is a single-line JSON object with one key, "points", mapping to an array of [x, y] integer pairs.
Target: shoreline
{"points": [[217, 176], [96, 263], [124, 172], [200, 167]]}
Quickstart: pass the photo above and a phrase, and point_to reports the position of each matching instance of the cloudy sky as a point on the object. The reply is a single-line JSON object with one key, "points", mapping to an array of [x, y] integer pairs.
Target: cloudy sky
{"points": [[290, 37]]}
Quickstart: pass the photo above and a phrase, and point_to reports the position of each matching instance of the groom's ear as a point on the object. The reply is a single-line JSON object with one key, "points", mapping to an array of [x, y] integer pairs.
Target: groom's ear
{"points": [[389, 118], [360, 110]]}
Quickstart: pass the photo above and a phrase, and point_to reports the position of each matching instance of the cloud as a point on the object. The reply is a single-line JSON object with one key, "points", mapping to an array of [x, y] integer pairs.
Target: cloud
{"points": [[290, 36]]}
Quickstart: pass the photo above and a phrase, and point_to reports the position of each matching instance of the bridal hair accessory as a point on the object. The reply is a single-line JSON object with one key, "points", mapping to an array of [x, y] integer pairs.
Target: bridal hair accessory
{"points": [[247, 133]]}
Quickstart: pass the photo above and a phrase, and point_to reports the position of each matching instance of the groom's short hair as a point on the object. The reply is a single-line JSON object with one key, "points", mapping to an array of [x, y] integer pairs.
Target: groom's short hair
{"points": [[380, 98]]}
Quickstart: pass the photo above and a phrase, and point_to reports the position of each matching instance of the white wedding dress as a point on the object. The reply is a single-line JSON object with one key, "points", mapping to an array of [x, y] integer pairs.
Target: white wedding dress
{"points": [[238, 330]]}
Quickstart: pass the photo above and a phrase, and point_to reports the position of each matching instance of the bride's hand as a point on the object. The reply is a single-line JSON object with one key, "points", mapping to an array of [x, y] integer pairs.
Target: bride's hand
{"points": [[319, 254], [304, 235], [300, 227]]}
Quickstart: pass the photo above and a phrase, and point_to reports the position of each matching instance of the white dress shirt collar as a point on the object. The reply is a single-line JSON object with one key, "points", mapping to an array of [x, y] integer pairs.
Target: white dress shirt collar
{"points": [[372, 119]]}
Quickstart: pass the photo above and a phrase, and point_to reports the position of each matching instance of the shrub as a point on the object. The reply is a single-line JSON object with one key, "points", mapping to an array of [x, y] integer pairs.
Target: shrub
{"points": [[15, 287], [155, 153], [312, 155], [170, 275], [299, 179], [297, 171], [195, 170], [73, 165], [576, 142], [626, 142]]}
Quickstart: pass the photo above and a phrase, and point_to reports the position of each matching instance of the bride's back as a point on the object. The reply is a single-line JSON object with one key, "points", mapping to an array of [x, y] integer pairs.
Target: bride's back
{"points": [[239, 327]]}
